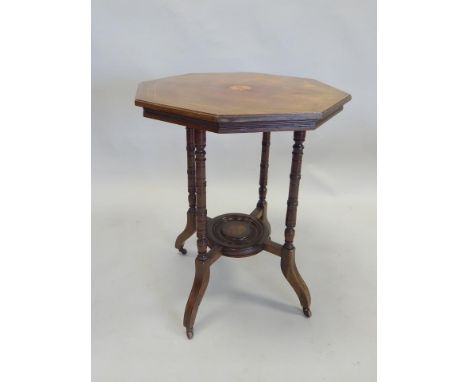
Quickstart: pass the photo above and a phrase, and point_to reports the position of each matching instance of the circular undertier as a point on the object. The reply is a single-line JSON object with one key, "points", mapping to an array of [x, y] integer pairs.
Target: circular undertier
{"points": [[238, 234]]}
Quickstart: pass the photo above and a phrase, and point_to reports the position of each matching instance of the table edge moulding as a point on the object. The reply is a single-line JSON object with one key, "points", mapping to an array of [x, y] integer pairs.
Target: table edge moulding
{"points": [[170, 109]]}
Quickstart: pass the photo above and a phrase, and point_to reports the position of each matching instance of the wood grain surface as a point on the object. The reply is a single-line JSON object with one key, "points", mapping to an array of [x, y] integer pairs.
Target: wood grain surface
{"points": [[240, 102]]}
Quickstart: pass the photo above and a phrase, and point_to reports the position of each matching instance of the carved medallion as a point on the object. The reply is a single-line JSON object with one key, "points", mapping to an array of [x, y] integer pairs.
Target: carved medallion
{"points": [[240, 88]]}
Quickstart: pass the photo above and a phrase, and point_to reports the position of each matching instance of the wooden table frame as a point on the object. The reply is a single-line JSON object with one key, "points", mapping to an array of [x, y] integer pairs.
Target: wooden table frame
{"points": [[227, 103], [197, 221]]}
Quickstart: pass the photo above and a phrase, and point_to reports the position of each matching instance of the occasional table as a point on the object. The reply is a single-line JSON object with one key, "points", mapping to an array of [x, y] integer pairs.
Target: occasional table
{"points": [[229, 103]]}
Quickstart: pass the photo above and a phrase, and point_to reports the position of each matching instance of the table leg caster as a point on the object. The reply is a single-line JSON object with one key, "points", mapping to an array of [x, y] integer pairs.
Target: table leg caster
{"points": [[307, 311], [182, 250], [190, 333]]}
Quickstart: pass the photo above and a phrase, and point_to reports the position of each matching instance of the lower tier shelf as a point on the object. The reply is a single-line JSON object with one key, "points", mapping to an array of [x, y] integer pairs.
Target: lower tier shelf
{"points": [[237, 234]]}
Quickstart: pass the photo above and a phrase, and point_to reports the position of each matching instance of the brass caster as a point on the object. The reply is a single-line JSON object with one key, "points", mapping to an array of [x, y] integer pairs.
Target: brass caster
{"points": [[307, 311], [190, 333], [182, 250]]}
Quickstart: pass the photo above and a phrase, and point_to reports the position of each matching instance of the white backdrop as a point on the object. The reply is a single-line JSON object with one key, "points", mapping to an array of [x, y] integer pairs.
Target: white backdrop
{"points": [[249, 326]]}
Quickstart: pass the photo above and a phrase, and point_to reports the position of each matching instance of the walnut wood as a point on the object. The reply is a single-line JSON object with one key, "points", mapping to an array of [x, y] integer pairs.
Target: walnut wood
{"points": [[204, 259], [192, 199], [257, 213], [273, 247], [288, 264], [240, 102], [200, 283], [237, 127], [262, 190], [191, 225], [290, 271], [295, 177], [237, 234], [200, 178]]}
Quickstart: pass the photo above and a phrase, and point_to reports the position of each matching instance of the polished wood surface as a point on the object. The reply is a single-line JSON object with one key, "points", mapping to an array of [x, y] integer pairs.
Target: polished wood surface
{"points": [[264, 163], [191, 225], [200, 183], [288, 262], [240, 102], [200, 283], [238, 234], [204, 259]]}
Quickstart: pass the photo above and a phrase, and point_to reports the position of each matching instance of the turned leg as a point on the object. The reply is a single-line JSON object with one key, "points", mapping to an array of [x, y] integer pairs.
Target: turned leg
{"points": [[261, 210], [204, 259], [191, 223], [288, 263]]}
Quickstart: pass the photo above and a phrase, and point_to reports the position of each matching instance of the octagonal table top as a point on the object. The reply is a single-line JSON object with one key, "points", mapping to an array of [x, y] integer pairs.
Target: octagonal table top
{"points": [[240, 102]]}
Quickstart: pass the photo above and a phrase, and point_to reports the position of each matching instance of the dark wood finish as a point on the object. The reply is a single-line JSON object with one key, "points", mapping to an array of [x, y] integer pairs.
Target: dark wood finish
{"points": [[290, 271], [264, 163], [200, 178], [288, 263], [238, 235], [191, 225], [204, 259], [294, 180], [240, 102], [237, 127], [200, 283], [260, 212], [273, 247]]}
